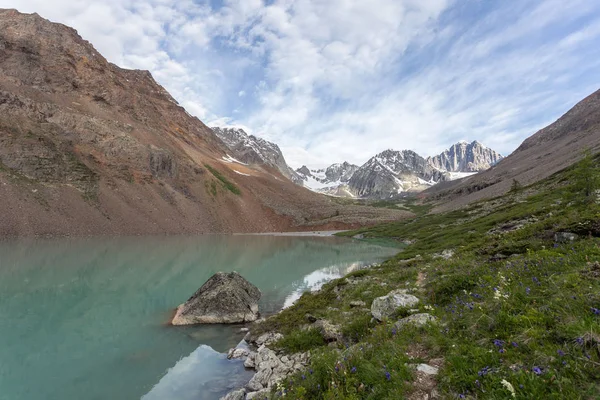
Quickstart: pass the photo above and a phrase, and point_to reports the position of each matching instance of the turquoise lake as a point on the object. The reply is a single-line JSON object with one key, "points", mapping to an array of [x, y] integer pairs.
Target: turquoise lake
{"points": [[88, 318]]}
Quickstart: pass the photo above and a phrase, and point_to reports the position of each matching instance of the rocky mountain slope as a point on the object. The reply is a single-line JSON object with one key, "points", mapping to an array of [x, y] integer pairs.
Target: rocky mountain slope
{"points": [[89, 148], [465, 157], [392, 173], [332, 180], [539, 156], [253, 150]]}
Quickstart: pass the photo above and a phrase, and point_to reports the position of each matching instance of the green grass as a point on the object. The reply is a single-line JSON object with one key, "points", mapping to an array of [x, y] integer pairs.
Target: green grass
{"points": [[227, 184], [300, 340], [515, 309]]}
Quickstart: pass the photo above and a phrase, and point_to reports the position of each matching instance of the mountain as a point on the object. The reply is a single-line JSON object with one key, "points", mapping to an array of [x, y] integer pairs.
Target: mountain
{"points": [[546, 152], [393, 172], [89, 148], [465, 157], [331, 180], [253, 150]]}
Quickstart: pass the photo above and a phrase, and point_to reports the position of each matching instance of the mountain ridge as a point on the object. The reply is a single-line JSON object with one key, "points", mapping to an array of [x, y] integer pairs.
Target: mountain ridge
{"points": [[392, 173], [89, 148]]}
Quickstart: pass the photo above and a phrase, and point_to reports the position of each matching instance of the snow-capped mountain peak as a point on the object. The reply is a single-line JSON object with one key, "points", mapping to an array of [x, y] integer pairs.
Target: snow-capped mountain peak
{"points": [[466, 157], [250, 149]]}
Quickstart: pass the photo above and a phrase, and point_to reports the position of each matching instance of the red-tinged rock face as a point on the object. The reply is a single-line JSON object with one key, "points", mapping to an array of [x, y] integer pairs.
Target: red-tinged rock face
{"points": [[89, 148]]}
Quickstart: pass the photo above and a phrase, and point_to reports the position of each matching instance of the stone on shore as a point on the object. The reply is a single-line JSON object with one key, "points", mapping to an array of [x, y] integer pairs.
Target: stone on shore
{"points": [[385, 306], [236, 395], [225, 298]]}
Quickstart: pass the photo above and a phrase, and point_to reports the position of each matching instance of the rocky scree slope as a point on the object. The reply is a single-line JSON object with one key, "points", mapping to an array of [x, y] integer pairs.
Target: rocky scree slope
{"points": [[392, 172], [549, 150], [332, 180], [88, 148]]}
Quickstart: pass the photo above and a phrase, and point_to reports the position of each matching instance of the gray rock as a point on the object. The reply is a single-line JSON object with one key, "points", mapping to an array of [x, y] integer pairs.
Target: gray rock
{"points": [[250, 360], [330, 332], [260, 380], [268, 338], [237, 353], [224, 298], [235, 395], [565, 237], [416, 319], [385, 306], [162, 163], [427, 369], [260, 395]]}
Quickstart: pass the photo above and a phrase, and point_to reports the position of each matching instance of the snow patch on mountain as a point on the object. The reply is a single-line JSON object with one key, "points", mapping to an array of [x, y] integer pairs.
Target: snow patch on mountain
{"points": [[253, 150]]}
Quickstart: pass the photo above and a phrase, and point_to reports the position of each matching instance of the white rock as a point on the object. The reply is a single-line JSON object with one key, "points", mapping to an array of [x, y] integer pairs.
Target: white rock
{"points": [[427, 369], [385, 306]]}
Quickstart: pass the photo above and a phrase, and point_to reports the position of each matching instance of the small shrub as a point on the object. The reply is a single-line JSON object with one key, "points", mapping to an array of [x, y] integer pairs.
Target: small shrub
{"points": [[301, 341], [358, 328], [227, 184]]}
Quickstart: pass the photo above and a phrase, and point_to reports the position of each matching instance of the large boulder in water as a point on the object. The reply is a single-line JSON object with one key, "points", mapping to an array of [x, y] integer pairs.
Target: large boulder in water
{"points": [[225, 298]]}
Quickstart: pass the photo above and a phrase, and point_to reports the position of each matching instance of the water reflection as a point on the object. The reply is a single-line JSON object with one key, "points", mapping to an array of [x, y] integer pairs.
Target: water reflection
{"points": [[203, 375], [86, 317]]}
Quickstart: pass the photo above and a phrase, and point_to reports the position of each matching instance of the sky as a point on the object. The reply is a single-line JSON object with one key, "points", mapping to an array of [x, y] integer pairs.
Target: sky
{"points": [[342, 80]]}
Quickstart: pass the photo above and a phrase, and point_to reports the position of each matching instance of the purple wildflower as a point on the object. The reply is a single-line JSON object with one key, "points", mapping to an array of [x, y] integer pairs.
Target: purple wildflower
{"points": [[394, 331], [596, 311], [501, 351], [353, 370], [561, 353], [498, 343], [527, 290], [537, 370], [536, 280], [514, 344], [303, 377], [388, 376], [310, 371], [579, 341]]}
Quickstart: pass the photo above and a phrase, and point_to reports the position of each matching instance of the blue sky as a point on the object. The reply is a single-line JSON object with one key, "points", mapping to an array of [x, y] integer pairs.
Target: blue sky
{"points": [[336, 80]]}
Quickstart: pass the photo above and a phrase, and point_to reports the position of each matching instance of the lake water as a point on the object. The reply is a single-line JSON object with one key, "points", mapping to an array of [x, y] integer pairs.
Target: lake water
{"points": [[87, 318]]}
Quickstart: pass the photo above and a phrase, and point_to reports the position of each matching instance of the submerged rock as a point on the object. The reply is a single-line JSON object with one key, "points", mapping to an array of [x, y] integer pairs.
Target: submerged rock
{"points": [[224, 299], [385, 306]]}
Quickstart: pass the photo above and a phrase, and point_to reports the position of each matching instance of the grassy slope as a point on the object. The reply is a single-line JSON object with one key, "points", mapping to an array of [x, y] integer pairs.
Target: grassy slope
{"points": [[513, 306]]}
